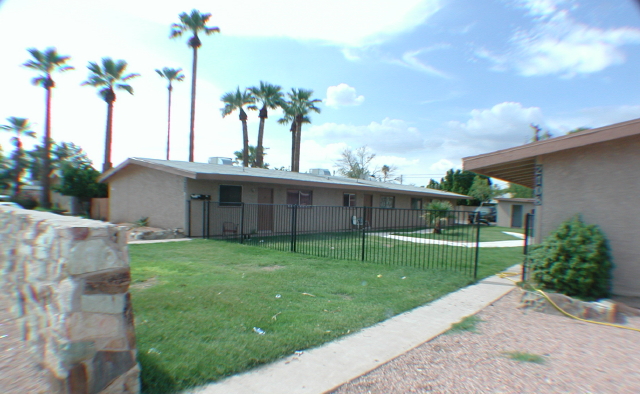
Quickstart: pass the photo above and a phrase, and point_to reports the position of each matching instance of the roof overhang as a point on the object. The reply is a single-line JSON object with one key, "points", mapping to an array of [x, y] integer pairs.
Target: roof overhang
{"points": [[516, 165]]}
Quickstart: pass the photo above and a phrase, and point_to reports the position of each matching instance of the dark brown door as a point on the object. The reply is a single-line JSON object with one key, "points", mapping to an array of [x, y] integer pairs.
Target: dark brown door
{"points": [[265, 209], [368, 203]]}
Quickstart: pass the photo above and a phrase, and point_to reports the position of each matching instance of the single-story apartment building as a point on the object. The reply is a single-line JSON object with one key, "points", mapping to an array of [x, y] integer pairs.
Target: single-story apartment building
{"points": [[593, 173], [160, 189], [511, 211]]}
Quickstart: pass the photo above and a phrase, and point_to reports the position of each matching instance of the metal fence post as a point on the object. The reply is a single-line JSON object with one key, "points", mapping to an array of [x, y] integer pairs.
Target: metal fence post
{"points": [[527, 232], [294, 219], [364, 212], [189, 218], [242, 224], [475, 268]]}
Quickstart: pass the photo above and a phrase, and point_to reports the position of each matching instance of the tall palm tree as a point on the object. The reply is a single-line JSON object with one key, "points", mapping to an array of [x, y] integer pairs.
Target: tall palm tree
{"points": [[194, 23], [299, 105], [46, 63], [270, 97], [109, 76], [22, 128], [236, 101], [170, 74], [289, 118]]}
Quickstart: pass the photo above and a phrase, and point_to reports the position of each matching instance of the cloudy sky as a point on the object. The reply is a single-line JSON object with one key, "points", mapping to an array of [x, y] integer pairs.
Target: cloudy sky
{"points": [[422, 83]]}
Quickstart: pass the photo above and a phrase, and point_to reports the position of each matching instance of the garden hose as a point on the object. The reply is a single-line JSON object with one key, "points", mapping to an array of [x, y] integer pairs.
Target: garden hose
{"points": [[506, 275]]}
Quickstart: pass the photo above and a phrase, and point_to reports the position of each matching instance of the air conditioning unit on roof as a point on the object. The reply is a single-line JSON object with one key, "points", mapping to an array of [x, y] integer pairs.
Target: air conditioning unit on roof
{"points": [[225, 161], [320, 171]]}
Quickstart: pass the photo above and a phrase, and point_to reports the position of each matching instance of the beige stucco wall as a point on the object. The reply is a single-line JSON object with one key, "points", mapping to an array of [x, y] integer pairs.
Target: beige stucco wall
{"points": [[602, 183], [505, 209], [314, 219], [137, 192]]}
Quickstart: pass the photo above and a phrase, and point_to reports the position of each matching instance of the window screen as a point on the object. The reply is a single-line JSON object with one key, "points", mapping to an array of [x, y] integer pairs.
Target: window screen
{"points": [[387, 201], [416, 203], [349, 200], [299, 197], [230, 195]]}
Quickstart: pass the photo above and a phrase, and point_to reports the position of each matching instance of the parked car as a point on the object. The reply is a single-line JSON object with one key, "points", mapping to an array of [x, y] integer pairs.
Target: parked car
{"points": [[483, 214]]}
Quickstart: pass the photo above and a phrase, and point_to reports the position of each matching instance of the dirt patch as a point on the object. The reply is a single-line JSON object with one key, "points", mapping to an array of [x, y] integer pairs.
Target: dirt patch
{"points": [[272, 267], [145, 284]]}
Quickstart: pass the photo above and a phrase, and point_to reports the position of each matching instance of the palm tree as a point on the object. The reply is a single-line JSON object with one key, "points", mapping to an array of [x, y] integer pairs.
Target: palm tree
{"points": [[195, 23], [46, 63], [270, 97], [109, 76], [296, 109], [22, 128], [236, 101], [170, 74]]}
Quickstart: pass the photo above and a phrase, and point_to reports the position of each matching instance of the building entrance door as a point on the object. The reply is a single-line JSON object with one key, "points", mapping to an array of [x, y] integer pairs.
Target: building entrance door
{"points": [[265, 209]]}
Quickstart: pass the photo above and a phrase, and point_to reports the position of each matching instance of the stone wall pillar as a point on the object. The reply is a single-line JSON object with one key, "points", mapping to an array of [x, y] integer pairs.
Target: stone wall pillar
{"points": [[69, 279]]}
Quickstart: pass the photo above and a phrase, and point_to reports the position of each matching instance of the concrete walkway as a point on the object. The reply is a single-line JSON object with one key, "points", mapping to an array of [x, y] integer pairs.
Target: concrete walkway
{"points": [[327, 367], [157, 241], [491, 244]]}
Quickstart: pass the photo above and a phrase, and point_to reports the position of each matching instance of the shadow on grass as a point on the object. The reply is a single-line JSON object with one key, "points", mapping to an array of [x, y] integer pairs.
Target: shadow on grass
{"points": [[154, 379]]}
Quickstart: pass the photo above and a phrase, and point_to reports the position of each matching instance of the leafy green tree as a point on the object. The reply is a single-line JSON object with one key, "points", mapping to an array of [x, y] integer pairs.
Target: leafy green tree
{"points": [[297, 107], [482, 191], [81, 181], [170, 74], [579, 129], [289, 118], [433, 184], [5, 172], [271, 97], [236, 101], [64, 152], [194, 23], [460, 182], [21, 128], [109, 76], [519, 191], [436, 213], [46, 63], [539, 134]]}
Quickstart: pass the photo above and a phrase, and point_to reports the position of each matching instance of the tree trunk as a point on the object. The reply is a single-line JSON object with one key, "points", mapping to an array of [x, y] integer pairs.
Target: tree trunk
{"points": [[170, 88], [107, 143], [298, 135], [245, 139], [293, 145], [45, 180], [193, 103], [259, 148], [16, 187]]}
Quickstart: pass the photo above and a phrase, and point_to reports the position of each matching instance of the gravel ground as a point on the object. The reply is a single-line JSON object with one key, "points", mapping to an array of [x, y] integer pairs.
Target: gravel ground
{"points": [[18, 373], [578, 358]]}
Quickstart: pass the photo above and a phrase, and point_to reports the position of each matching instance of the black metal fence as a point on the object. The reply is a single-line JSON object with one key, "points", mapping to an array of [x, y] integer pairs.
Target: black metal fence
{"points": [[528, 235], [403, 237]]}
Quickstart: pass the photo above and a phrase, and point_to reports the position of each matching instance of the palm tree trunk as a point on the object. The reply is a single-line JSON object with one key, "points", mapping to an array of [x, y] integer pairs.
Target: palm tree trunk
{"points": [[169, 122], [259, 148], [107, 143], [45, 181], [293, 145], [245, 144], [298, 135], [193, 103], [16, 187]]}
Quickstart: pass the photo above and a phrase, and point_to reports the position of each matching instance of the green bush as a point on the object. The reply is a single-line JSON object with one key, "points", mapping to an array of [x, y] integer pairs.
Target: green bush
{"points": [[574, 260]]}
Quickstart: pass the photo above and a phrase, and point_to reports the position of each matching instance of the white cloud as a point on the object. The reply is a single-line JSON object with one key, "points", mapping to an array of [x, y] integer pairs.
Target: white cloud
{"points": [[342, 22], [558, 44], [441, 166], [342, 95], [594, 117], [410, 60], [389, 136]]}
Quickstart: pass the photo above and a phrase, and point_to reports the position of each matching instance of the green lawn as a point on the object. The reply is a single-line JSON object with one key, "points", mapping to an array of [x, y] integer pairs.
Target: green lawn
{"points": [[466, 233], [196, 304]]}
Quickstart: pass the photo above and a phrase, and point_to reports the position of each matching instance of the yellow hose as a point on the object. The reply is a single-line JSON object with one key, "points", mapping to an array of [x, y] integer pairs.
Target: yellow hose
{"points": [[505, 275]]}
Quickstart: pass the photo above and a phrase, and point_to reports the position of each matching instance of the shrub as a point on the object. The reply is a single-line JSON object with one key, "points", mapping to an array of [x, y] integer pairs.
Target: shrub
{"points": [[25, 201], [437, 212], [574, 260]]}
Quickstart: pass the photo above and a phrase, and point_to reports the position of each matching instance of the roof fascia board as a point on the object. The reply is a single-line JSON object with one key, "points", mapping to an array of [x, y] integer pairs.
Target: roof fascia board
{"points": [[133, 161]]}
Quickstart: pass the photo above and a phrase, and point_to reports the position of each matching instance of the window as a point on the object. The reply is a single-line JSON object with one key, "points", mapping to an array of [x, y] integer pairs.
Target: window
{"points": [[299, 197], [416, 203], [230, 195], [387, 202], [349, 200]]}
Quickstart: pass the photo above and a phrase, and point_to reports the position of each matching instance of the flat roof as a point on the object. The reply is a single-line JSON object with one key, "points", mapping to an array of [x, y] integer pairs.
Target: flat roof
{"points": [[206, 171], [517, 164]]}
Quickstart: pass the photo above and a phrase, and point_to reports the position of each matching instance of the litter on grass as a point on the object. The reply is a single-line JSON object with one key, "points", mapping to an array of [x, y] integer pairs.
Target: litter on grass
{"points": [[154, 351], [278, 296], [307, 294], [258, 331]]}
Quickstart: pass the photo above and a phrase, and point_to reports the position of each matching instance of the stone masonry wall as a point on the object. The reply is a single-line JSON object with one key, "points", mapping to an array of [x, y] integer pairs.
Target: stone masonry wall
{"points": [[69, 279]]}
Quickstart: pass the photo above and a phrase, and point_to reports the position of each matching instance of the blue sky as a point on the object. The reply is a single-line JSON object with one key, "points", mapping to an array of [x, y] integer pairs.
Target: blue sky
{"points": [[422, 83]]}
